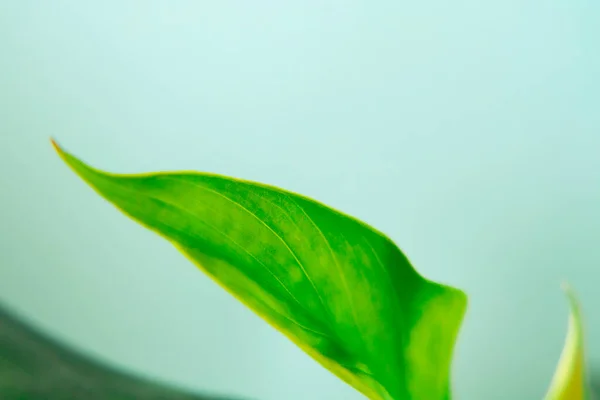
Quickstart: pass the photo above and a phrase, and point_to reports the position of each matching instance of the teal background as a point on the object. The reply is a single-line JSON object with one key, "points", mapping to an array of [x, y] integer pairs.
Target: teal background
{"points": [[468, 131]]}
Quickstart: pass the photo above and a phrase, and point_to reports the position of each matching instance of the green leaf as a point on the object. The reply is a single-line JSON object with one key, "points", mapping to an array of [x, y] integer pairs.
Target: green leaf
{"points": [[339, 289], [33, 366], [570, 380]]}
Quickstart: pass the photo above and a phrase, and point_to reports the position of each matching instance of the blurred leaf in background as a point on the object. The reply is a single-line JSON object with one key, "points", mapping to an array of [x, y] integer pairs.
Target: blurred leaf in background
{"points": [[34, 366], [570, 380]]}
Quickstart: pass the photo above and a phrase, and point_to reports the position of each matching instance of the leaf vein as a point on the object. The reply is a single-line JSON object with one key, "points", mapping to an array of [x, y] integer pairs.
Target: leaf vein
{"points": [[302, 268], [335, 260]]}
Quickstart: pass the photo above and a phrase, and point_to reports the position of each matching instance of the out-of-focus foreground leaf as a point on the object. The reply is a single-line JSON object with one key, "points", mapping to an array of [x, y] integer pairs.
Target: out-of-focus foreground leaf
{"points": [[339, 289], [570, 379], [35, 367]]}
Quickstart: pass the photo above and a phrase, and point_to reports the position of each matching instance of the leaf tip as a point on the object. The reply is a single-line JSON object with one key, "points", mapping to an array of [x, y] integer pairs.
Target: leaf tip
{"points": [[566, 287], [55, 144], [569, 291], [59, 150]]}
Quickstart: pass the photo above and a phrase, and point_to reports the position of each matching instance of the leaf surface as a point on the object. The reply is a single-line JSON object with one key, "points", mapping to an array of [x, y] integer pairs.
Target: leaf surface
{"points": [[570, 380], [339, 289]]}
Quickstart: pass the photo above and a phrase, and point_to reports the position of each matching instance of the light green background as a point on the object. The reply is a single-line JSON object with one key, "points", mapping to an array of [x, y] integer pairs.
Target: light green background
{"points": [[469, 131]]}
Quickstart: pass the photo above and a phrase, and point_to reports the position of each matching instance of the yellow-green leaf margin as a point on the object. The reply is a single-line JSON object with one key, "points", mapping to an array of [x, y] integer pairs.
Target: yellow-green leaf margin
{"points": [[339, 289]]}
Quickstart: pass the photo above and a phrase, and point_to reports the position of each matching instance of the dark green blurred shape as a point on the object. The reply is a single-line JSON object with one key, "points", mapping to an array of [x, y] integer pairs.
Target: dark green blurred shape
{"points": [[33, 366], [595, 381]]}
